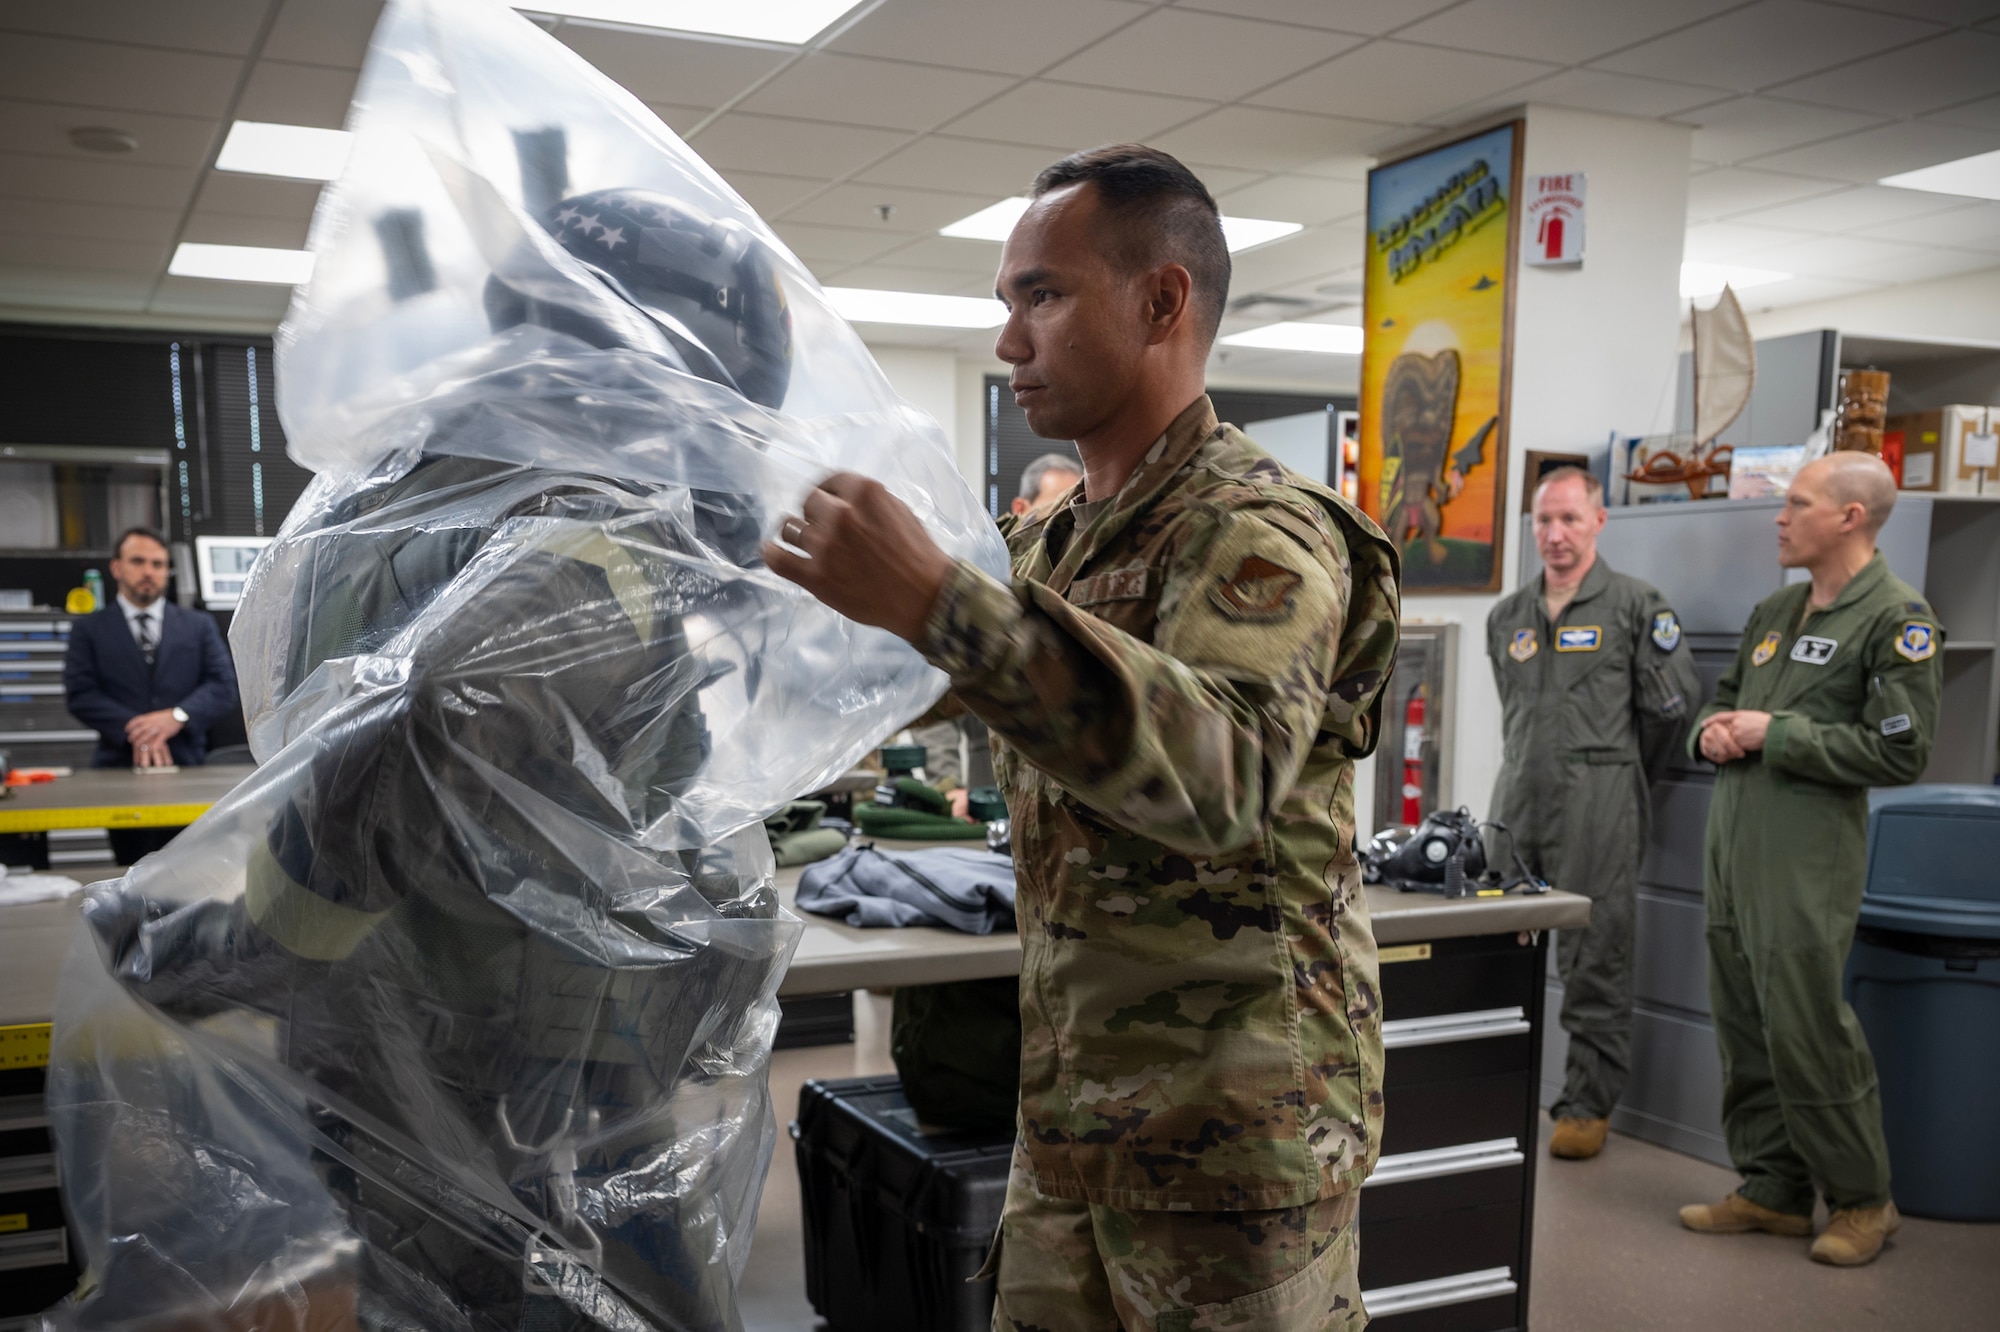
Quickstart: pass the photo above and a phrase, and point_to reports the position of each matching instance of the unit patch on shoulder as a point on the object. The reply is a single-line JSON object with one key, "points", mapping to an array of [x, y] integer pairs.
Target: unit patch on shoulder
{"points": [[1666, 631], [1918, 641], [1767, 649], [1524, 645], [1258, 590], [1578, 638], [1814, 651], [1897, 724]]}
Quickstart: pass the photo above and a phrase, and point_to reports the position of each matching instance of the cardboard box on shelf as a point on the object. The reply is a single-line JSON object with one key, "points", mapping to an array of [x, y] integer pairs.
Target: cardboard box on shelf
{"points": [[1948, 450]]}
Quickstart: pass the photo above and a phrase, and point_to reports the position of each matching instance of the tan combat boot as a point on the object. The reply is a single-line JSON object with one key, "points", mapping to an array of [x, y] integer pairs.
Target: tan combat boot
{"points": [[1736, 1214], [1578, 1139], [1856, 1235]]}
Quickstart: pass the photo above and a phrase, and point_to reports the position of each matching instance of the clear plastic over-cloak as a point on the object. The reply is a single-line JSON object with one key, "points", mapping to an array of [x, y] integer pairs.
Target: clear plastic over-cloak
{"points": [[456, 1014]]}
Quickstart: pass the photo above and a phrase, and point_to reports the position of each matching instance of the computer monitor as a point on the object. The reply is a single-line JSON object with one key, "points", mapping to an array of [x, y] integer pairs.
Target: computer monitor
{"points": [[222, 564]]}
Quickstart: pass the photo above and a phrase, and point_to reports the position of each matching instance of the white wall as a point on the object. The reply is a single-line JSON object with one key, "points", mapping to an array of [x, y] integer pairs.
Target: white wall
{"points": [[1965, 307], [1594, 352]]}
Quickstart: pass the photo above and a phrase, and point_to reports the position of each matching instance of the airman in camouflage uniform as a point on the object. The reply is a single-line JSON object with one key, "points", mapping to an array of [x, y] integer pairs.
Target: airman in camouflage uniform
{"points": [[1178, 682]]}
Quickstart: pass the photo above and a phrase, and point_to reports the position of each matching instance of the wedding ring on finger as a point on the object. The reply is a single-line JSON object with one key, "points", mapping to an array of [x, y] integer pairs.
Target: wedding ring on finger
{"points": [[791, 530]]}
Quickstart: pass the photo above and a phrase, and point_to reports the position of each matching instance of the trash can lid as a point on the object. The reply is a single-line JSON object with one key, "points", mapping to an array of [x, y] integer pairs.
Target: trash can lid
{"points": [[1932, 853]]}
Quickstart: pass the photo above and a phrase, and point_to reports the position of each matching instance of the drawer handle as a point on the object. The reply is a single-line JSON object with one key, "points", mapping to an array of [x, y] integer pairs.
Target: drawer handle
{"points": [[1398, 1033], [1402, 1167], [18, 1174], [23, 1112], [34, 1248], [1461, 1289]]}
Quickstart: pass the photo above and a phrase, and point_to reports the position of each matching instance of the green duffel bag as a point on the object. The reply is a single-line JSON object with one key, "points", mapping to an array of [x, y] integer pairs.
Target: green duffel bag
{"points": [[957, 1047]]}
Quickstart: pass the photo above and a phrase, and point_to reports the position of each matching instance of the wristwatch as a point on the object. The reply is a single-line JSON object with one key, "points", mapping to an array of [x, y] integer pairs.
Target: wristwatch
{"points": [[181, 716]]}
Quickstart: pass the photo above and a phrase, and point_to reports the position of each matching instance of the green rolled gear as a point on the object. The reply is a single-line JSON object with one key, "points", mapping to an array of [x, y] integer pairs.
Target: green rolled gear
{"points": [[915, 825], [797, 838], [985, 804]]}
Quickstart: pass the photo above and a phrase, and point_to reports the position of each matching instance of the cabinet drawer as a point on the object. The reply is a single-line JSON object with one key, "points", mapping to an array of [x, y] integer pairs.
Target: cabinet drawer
{"points": [[1421, 1183], [1461, 975], [1436, 1245], [32, 1290], [1461, 1311], [1429, 1115], [1409, 1066]]}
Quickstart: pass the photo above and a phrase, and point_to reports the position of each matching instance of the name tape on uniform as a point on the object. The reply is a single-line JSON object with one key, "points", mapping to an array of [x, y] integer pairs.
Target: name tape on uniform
{"points": [[1814, 651], [1581, 638], [1897, 724]]}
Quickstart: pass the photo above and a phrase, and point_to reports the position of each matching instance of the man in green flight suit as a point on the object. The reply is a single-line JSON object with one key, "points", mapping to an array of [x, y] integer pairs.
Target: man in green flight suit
{"points": [[1834, 690], [1179, 677], [1596, 689]]}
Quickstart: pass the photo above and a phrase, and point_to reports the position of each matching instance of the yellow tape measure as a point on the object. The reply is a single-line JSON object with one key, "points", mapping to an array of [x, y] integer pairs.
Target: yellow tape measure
{"points": [[1405, 953], [25, 1046], [101, 816]]}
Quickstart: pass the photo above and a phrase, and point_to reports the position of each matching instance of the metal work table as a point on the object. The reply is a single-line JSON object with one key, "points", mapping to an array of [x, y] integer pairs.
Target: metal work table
{"points": [[118, 798]]}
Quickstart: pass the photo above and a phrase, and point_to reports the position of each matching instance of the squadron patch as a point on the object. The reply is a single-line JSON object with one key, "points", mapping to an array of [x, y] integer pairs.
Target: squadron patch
{"points": [[1666, 631], [1524, 645], [1767, 649], [1814, 651], [1258, 590], [1897, 724], [1917, 642], [1579, 638]]}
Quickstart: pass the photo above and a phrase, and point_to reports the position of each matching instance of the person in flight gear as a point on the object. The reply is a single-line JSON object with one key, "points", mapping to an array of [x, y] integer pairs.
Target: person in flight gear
{"points": [[383, 918], [1596, 690], [1834, 690]]}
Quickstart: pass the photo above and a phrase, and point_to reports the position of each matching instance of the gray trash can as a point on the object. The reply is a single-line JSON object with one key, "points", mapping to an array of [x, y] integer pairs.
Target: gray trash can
{"points": [[1924, 978]]}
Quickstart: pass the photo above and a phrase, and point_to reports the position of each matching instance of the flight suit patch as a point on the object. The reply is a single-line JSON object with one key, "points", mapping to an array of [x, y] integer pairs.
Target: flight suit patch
{"points": [[1814, 651], [1666, 631], [1579, 638], [1524, 645], [1897, 724], [1917, 642], [1258, 590], [1767, 649]]}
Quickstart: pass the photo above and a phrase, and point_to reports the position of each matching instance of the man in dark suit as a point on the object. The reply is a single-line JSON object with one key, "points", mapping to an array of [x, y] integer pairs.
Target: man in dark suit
{"points": [[149, 677]]}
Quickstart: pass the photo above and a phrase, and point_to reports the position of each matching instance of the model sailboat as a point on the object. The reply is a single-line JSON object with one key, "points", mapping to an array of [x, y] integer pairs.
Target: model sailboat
{"points": [[1725, 370]]}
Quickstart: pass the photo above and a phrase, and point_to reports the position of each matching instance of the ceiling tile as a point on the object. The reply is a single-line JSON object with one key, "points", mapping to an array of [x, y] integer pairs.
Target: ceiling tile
{"points": [[1971, 227], [817, 245], [243, 229], [948, 253], [125, 78], [1400, 82], [1224, 57], [1066, 116], [1982, 114], [82, 252], [1922, 265], [256, 303], [1289, 261], [862, 91], [1768, 43], [1558, 30], [1853, 209], [971, 165], [258, 196], [1722, 191], [1834, 256], [40, 286], [1944, 11], [1266, 140], [1956, 67], [323, 32], [1595, 90], [1305, 199], [1803, 290], [224, 27], [1365, 16], [288, 94], [1723, 242], [42, 128], [1746, 127], [1019, 37], [34, 217], [915, 212], [771, 195], [677, 70], [100, 182], [889, 276], [791, 147], [1874, 153], [680, 119]]}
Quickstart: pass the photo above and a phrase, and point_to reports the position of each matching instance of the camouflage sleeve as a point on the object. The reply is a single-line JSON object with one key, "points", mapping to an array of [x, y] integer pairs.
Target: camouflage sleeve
{"points": [[1195, 739]]}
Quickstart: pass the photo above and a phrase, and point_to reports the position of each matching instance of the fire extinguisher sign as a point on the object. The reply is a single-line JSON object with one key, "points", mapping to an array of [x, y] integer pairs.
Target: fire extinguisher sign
{"points": [[1554, 220]]}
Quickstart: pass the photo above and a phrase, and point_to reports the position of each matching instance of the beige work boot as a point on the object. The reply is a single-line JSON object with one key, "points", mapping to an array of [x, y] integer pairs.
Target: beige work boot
{"points": [[1736, 1214], [1578, 1139], [1856, 1235]]}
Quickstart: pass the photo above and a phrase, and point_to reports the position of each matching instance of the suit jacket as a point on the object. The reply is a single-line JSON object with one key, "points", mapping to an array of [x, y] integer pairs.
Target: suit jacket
{"points": [[108, 682]]}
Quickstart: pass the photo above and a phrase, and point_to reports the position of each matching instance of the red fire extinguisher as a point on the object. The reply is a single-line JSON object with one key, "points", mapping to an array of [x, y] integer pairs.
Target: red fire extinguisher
{"points": [[1413, 758]]}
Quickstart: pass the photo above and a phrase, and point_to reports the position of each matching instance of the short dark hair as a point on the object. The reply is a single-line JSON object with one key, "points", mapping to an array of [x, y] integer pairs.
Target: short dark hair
{"points": [[150, 533], [1032, 474], [1167, 216], [1593, 489]]}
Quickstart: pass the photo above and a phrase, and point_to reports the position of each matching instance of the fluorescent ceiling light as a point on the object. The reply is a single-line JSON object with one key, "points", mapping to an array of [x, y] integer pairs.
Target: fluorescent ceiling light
{"points": [[864, 306], [242, 263], [996, 222], [1294, 335], [263, 149], [793, 22], [1710, 279], [1978, 177]]}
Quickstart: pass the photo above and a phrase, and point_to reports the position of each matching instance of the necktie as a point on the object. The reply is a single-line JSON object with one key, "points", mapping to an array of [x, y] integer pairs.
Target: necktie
{"points": [[147, 647]]}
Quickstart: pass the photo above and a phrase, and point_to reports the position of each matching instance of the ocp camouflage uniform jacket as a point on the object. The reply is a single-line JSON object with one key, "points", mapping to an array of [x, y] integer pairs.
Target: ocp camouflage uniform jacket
{"points": [[1177, 695]]}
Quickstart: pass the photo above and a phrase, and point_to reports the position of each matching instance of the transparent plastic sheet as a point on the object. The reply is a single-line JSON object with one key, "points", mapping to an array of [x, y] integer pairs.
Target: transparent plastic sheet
{"points": [[457, 1013]]}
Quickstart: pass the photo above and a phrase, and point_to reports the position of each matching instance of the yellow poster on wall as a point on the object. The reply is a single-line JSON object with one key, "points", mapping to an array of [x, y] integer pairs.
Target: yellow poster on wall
{"points": [[1438, 309]]}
